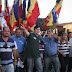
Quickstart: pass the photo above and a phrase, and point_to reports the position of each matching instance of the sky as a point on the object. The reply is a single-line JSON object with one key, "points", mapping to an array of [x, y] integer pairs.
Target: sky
{"points": [[46, 6]]}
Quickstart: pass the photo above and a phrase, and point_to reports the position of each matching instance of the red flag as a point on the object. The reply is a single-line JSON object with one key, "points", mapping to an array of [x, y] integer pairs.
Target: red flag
{"points": [[33, 13], [53, 15], [6, 14], [45, 26], [0, 8], [46, 19], [58, 11], [15, 15], [20, 8]]}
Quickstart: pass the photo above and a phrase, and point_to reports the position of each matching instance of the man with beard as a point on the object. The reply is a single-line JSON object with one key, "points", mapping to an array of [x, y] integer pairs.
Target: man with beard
{"points": [[7, 47]]}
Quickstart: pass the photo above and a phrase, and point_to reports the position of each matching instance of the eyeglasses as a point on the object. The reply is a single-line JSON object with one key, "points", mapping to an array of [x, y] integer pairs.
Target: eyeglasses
{"points": [[5, 46]]}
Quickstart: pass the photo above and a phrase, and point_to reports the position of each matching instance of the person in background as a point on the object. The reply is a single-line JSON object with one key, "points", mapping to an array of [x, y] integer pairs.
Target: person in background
{"points": [[63, 49], [21, 44], [32, 50], [70, 54], [7, 48], [50, 51]]}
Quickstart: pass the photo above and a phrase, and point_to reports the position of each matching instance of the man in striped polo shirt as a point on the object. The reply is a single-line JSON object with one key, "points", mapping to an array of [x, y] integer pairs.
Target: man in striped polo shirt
{"points": [[7, 47]]}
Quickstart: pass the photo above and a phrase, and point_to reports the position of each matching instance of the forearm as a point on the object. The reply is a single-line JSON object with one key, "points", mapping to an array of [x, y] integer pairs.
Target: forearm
{"points": [[26, 32], [15, 55], [55, 36], [60, 52], [18, 54]]}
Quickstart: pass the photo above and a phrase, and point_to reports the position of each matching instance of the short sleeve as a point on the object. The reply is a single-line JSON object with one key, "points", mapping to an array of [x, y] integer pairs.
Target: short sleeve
{"points": [[15, 45], [69, 44], [59, 44]]}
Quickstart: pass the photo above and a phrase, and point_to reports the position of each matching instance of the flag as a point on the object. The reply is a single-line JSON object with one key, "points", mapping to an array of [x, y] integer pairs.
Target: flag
{"points": [[24, 10], [38, 23], [20, 13], [14, 15], [51, 19], [13, 21], [54, 15], [29, 3], [58, 6], [6, 14], [48, 20], [16, 9], [33, 13], [3, 22], [6, 6], [24, 16], [0, 6], [20, 8]]}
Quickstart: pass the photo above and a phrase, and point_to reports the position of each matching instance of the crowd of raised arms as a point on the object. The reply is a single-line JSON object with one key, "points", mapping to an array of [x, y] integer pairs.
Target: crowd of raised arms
{"points": [[38, 51]]}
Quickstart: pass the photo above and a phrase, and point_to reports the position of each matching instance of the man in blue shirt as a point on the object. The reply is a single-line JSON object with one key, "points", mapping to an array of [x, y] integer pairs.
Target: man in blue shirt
{"points": [[50, 52], [21, 44]]}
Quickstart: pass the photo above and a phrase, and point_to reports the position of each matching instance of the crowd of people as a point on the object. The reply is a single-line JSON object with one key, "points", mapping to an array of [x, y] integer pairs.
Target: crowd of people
{"points": [[35, 52]]}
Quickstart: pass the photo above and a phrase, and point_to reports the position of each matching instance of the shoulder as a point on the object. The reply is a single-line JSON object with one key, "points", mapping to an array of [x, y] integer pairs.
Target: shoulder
{"points": [[14, 36], [23, 38], [54, 39], [44, 38], [70, 39], [11, 40], [31, 34]]}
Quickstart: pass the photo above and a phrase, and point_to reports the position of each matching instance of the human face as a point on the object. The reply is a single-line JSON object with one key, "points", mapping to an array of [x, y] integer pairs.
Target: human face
{"points": [[18, 33], [49, 33], [70, 35], [64, 36], [37, 31], [6, 32]]}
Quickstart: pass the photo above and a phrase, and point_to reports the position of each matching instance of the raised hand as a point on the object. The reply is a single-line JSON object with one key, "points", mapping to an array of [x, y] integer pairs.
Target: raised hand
{"points": [[22, 26]]}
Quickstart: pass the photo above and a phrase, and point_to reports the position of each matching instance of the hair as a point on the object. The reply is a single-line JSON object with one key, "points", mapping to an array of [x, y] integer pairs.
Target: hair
{"points": [[50, 29], [36, 27], [69, 32], [5, 27], [61, 40], [17, 29]]}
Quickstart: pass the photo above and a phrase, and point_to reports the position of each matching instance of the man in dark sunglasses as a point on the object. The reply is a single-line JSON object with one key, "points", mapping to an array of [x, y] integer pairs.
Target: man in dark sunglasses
{"points": [[7, 47]]}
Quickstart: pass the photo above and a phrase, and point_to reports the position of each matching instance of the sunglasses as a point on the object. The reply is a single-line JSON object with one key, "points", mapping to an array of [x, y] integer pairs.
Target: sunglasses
{"points": [[5, 46]]}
